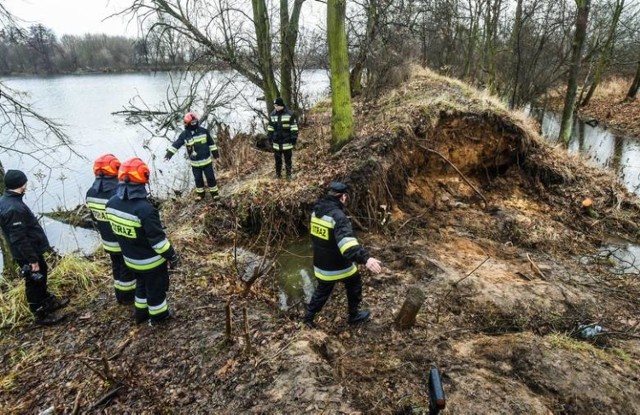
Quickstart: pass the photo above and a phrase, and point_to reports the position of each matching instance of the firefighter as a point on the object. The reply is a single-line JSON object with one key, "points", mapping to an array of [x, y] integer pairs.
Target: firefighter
{"points": [[335, 254], [200, 147], [28, 243], [105, 169], [282, 133], [145, 247]]}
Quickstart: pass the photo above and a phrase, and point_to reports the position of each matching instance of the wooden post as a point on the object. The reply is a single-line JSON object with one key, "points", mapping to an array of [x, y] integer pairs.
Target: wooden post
{"points": [[407, 316], [247, 336], [227, 309]]}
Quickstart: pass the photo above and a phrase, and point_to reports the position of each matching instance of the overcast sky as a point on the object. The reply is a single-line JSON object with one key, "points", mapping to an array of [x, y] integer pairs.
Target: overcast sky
{"points": [[73, 17]]}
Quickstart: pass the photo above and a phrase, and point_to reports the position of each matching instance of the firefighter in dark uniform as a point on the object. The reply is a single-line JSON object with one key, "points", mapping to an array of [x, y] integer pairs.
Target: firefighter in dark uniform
{"points": [[335, 254], [105, 169], [282, 133], [28, 243], [145, 247], [200, 147]]}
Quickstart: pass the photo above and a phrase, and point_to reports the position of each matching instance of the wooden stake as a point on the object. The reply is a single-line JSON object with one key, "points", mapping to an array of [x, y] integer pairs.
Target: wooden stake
{"points": [[247, 337], [227, 309], [407, 316]]}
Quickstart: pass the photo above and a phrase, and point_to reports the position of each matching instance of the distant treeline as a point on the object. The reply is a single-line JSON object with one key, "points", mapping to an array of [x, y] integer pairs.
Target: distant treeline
{"points": [[37, 50]]}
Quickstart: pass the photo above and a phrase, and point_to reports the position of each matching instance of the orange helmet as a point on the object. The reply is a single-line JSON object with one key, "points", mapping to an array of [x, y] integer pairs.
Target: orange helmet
{"points": [[106, 165], [189, 118], [134, 171]]}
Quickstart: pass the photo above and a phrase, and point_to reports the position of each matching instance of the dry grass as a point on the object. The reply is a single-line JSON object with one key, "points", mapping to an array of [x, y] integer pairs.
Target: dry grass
{"points": [[70, 275]]}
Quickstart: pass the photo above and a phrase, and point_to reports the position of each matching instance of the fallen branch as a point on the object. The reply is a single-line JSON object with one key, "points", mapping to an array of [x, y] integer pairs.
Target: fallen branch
{"points": [[76, 403], [459, 172], [106, 397], [536, 268]]}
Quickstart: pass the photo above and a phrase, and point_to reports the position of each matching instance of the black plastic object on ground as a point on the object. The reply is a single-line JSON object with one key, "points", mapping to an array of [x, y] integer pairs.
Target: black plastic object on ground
{"points": [[436, 393]]}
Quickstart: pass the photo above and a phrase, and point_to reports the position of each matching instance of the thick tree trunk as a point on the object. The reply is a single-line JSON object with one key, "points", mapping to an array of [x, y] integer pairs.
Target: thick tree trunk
{"points": [[635, 85], [605, 55], [515, 54], [363, 51], [263, 38], [579, 38], [288, 39], [407, 315], [342, 113]]}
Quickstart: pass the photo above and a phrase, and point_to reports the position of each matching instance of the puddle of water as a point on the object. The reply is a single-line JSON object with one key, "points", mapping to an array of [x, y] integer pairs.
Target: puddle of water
{"points": [[623, 256], [295, 274]]}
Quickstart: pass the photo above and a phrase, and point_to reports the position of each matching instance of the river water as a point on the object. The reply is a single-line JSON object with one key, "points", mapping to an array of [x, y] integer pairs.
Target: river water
{"points": [[84, 104]]}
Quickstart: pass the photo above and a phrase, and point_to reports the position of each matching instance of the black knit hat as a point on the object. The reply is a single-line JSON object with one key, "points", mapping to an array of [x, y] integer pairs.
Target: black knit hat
{"points": [[14, 179], [279, 101]]}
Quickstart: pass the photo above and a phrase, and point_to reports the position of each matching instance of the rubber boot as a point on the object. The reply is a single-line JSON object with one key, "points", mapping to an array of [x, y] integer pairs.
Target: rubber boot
{"points": [[43, 318], [53, 303], [359, 316], [308, 320]]}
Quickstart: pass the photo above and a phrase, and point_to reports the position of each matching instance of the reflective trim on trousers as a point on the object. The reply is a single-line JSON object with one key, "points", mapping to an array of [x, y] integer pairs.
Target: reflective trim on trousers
{"points": [[157, 309], [200, 163], [335, 275], [287, 146], [141, 303], [144, 264], [124, 285]]}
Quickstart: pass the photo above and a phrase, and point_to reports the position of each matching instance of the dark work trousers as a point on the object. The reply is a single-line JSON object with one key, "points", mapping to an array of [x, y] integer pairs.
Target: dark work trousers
{"points": [[36, 291], [151, 294], [352, 284], [287, 161], [199, 174], [124, 282]]}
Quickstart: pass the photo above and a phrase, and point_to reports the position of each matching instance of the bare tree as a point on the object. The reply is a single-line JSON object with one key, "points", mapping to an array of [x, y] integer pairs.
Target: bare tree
{"points": [[580, 35]]}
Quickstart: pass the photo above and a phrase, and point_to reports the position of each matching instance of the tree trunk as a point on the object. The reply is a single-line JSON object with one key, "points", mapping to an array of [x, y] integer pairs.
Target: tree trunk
{"points": [[474, 11], [263, 38], [515, 54], [635, 85], [607, 52], [363, 51], [580, 35], [288, 39], [342, 113], [407, 316]]}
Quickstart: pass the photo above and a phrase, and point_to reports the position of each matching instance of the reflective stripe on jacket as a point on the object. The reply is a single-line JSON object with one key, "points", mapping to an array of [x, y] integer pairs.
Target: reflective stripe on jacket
{"points": [[98, 195], [137, 227], [200, 145], [335, 248], [282, 130]]}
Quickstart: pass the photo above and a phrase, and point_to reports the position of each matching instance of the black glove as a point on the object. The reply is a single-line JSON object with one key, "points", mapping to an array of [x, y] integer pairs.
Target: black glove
{"points": [[28, 274], [216, 154], [174, 261]]}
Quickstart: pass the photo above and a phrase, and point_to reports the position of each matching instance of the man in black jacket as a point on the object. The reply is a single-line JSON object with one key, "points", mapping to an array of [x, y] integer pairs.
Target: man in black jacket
{"points": [[145, 247], [200, 147], [335, 254], [282, 133], [105, 169], [28, 244]]}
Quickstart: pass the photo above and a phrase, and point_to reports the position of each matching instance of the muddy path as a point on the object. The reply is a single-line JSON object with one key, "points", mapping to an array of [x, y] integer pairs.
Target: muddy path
{"points": [[505, 336]]}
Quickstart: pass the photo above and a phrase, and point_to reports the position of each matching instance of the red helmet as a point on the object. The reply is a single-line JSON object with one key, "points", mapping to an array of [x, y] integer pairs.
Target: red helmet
{"points": [[106, 165], [135, 170], [190, 118]]}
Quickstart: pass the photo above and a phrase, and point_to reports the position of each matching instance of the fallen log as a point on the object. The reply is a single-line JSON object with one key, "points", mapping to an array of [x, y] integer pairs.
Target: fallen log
{"points": [[407, 316]]}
